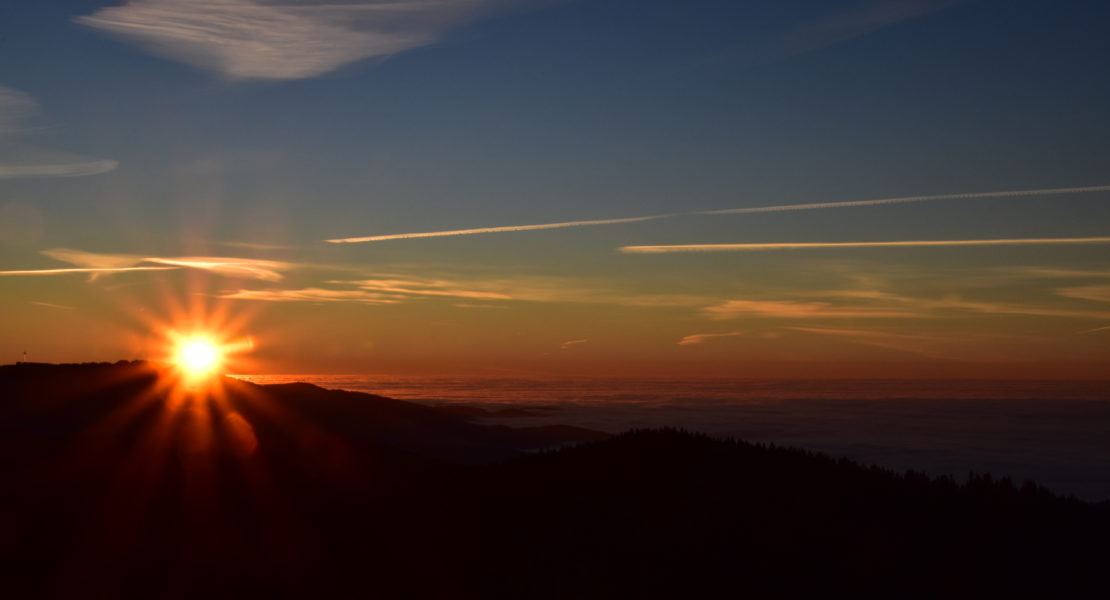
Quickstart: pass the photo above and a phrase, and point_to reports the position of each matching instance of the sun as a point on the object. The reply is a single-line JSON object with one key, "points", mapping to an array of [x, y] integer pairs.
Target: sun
{"points": [[198, 356]]}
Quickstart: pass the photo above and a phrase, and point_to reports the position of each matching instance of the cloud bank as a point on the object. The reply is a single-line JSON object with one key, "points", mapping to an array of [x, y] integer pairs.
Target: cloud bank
{"points": [[282, 39], [19, 160]]}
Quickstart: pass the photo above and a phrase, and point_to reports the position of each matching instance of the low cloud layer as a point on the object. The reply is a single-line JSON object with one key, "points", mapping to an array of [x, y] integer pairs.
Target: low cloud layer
{"points": [[282, 39], [21, 160]]}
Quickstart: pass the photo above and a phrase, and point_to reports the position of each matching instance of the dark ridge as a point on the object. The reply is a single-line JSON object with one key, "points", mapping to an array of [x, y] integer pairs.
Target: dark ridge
{"points": [[108, 493]]}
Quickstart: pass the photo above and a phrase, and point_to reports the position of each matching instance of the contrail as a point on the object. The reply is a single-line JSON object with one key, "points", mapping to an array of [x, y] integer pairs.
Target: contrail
{"points": [[906, 200], [727, 211], [428, 234], [805, 245], [93, 270]]}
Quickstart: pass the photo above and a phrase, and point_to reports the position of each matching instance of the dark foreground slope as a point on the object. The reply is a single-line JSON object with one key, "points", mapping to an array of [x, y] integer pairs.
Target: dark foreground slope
{"points": [[113, 487]]}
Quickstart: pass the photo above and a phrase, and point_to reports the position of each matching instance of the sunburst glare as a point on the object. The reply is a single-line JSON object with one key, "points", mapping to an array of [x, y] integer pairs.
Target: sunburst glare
{"points": [[198, 357]]}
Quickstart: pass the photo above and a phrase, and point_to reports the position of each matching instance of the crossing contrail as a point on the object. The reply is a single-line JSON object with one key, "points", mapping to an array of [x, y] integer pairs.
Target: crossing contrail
{"points": [[726, 211], [807, 245]]}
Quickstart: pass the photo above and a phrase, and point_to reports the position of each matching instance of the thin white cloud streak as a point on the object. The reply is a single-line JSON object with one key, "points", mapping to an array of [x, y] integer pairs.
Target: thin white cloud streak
{"points": [[727, 211], [18, 160], [78, 169], [826, 245], [701, 338], [880, 305], [313, 295], [429, 234], [291, 39], [922, 345], [909, 199], [790, 309], [569, 343], [1095, 330], [994, 308], [82, 258], [15, 108], [93, 270], [104, 264], [1051, 273], [1095, 293], [246, 245], [426, 288], [495, 291], [264, 270], [51, 305], [859, 21]]}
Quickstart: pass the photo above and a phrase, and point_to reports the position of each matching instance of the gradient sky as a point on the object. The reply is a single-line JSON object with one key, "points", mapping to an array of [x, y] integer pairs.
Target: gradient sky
{"points": [[271, 159]]}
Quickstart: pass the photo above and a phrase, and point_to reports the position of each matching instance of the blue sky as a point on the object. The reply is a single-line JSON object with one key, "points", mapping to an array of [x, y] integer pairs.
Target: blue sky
{"points": [[292, 123]]}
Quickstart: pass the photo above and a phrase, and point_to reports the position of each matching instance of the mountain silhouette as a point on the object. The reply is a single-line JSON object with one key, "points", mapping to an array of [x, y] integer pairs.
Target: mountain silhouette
{"points": [[115, 485]]}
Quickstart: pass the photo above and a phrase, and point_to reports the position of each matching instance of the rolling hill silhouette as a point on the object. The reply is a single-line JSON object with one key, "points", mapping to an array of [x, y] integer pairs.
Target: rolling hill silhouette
{"points": [[115, 487]]}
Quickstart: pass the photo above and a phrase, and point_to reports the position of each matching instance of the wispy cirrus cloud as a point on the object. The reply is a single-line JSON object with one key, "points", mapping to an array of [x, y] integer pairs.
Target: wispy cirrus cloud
{"points": [[312, 295], [727, 211], [883, 305], [97, 264], [491, 291], [930, 346], [246, 268], [524, 289], [792, 309], [570, 343], [504, 229], [860, 20], [752, 247], [88, 270], [282, 39], [20, 160], [425, 287], [1057, 273], [701, 338], [384, 290], [51, 305], [1096, 293]]}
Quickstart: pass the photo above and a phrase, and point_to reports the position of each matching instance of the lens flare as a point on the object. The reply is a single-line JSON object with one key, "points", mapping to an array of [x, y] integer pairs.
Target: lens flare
{"points": [[199, 357]]}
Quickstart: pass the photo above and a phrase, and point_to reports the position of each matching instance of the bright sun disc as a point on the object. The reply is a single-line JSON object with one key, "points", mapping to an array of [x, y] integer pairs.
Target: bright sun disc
{"points": [[198, 357]]}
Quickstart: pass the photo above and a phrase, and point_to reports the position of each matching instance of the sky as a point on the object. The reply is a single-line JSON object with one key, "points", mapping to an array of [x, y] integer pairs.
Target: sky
{"points": [[787, 188]]}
